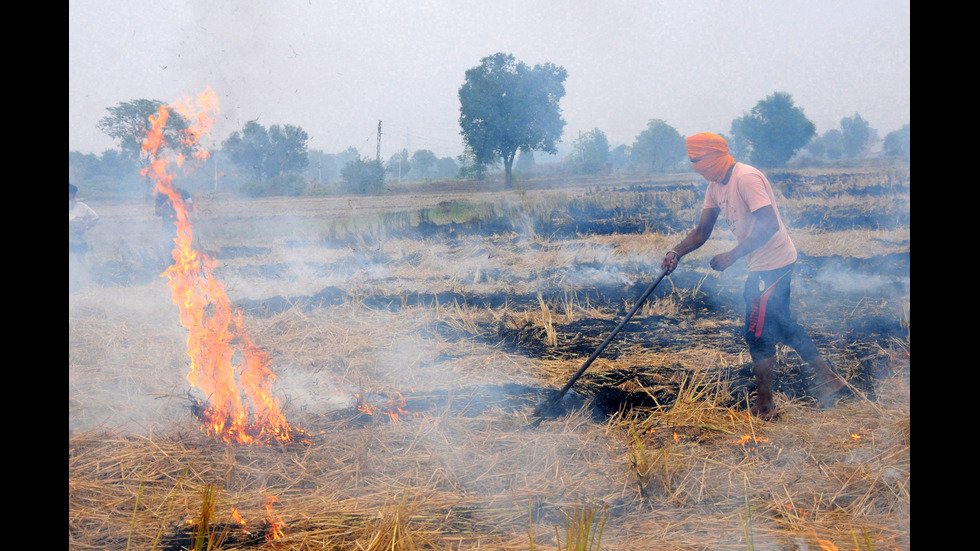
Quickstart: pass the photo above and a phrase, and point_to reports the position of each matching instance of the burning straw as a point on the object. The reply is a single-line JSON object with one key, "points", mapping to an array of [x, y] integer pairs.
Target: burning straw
{"points": [[216, 333]]}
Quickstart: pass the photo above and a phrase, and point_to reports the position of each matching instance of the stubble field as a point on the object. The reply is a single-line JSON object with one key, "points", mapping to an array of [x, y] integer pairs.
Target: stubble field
{"points": [[412, 335]]}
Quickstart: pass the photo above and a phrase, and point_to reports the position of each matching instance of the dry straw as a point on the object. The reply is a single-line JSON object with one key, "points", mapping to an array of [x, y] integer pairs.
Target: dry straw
{"points": [[687, 470]]}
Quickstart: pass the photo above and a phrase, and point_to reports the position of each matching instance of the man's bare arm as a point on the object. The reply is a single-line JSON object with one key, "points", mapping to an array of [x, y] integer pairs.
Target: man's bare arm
{"points": [[698, 236], [765, 225]]}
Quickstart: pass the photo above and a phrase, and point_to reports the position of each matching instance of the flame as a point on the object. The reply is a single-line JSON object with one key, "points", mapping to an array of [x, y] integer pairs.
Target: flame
{"points": [[237, 517], [752, 443], [857, 436], [226, 364], [827, 545], [276, 525], [796, 511], [393, 407]]}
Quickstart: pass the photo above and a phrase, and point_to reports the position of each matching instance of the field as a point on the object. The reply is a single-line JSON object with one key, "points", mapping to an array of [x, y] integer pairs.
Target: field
{"points": [[413, 334]]}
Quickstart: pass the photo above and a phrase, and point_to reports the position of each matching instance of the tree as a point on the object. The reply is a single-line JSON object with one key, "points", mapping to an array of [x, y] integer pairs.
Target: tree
{"points": [[775, 130], [658, 148], [399, 164], [856, 133], [249, 150], [591, 151], [446, 168], [129, 121], [899, 142], [422, 161], [833, 144], [278, 151], [506, 107], [619, 157], [363, 176], [288, 149]]}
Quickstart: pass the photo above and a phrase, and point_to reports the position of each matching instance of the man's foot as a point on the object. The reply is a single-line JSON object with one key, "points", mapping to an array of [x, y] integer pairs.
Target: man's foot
{"points": [[765, 406], [830, 387]]}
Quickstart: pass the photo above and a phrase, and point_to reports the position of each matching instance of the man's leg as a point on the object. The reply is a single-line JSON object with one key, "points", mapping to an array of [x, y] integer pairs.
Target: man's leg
{"points": [[762, 346], [829, 384], [764, 407]]}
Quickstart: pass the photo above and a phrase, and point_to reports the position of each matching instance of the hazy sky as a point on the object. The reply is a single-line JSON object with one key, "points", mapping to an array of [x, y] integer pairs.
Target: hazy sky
{"points": [[336, 68]]}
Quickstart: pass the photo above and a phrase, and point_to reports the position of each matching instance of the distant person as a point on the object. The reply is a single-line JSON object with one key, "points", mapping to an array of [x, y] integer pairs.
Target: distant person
{"points": [[81, 218], [164, 208], [744, 196]]}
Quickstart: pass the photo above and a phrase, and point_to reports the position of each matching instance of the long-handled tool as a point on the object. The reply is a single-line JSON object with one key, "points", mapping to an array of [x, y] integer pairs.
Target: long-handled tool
{"points": [[544, 408]]}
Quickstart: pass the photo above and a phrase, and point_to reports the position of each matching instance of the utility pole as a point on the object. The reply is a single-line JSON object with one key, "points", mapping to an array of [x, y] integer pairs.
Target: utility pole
{"points": [[379, 142]]}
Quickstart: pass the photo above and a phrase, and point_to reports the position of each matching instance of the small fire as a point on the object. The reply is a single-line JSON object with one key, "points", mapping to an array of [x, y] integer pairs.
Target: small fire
{"points": [[226, 364], [827, 545], [393, 407], [276, 525], [857, 436], [236, 517], [797, 512], [752, 443]]}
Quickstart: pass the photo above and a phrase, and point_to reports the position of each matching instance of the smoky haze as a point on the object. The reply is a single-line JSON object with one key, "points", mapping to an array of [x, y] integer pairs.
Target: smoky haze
{"points": [[335, 69]]}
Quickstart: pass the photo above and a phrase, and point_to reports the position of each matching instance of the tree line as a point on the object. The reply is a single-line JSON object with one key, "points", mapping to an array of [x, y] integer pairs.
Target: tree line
{"points": [[508, 111]]}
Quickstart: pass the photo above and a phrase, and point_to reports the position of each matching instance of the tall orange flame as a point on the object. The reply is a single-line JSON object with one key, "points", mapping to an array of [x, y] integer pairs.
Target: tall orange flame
{"points": [[231, 370]]}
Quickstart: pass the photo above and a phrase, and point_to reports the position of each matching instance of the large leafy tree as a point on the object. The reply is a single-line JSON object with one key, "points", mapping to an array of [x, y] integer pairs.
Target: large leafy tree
{"points": [[506, 107], [775, 130], [129, 121], [658, 148]]}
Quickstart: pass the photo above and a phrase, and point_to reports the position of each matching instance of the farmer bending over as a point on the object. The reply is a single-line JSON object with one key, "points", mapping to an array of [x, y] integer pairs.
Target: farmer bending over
{"points": [[743, 195]]}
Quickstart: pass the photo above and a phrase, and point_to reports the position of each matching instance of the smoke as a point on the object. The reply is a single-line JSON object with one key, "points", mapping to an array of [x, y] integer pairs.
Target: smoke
{"points": [[127, 360], [591, 276], [887, 275], [843, 280]]}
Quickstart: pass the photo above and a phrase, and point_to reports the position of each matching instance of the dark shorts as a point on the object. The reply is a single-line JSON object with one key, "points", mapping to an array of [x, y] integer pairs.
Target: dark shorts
{"points": [[768, 319]]}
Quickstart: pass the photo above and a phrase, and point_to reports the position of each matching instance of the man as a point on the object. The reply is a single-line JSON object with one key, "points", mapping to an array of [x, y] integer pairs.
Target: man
{"points": [[81, 218], [745, 198]]}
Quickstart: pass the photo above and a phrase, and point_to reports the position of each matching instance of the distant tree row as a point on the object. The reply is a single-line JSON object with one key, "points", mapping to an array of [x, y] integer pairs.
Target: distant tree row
{"points": [[659, 148], [772, 133], [422, 165], [507, 107], [508, 111], [267, 161]]}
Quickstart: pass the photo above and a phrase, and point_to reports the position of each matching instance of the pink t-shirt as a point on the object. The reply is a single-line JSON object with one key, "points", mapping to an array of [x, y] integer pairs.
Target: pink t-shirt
{"points": [[747, 191]]}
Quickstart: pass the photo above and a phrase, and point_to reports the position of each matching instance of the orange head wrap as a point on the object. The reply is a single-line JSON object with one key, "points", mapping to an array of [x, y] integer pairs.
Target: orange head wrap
{"points": [[709, 156]]}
